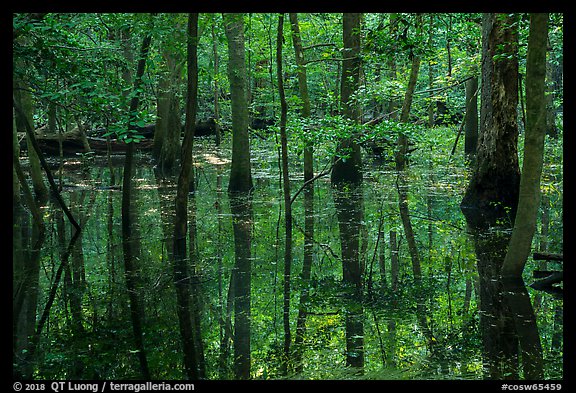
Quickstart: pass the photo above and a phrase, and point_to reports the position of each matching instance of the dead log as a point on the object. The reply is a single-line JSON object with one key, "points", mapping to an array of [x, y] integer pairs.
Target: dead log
{"points": [[547, 256]]}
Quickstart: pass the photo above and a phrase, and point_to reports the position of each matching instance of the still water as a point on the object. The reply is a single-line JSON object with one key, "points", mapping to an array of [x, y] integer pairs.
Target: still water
{"points": [[389, 326]]}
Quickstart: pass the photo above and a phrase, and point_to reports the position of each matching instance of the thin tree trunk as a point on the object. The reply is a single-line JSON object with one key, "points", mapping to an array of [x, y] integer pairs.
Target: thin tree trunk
{"points": [[401, 165], [25, 123], [394, 262], [216, 85], [131, 272], [308, 196], [405, 114], [182, 281], [286, 191], [471, 125], [44, 165], [529, 199]]}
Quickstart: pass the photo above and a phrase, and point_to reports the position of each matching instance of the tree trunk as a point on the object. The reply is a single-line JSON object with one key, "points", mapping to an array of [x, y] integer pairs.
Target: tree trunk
{"points": [[405, 114], [349, 170], [128, 238], [287, 197], [241, 209], [471, 125], [23, 99], [240, 173], [308, 196], [216, 85], [529, 198], [346, 179], [518, 300], [182, 279], [401, 159], [492, 193]]}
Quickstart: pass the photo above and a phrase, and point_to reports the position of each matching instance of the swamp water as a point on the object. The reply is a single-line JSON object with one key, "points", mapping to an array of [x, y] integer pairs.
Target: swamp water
{"points": [[394, 328]]}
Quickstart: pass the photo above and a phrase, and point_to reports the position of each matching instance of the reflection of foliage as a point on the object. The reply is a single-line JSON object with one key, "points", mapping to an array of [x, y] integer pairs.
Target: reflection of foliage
{"points": [[77, 61]]}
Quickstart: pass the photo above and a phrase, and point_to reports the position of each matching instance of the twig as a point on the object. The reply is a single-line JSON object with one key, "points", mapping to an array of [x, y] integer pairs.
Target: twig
{"points": [[321, 174]]}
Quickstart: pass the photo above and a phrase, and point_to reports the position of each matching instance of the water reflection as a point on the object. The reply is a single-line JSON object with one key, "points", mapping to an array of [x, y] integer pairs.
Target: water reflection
{"points": [[349, 203], [394, 329], [507, 320], [241, 208]]}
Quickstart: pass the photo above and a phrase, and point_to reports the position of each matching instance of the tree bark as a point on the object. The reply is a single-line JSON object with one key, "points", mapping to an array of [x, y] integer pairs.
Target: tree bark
{"points": [[529, 198], [240, 172], [287, 197], [216, 85], [24, 119], [349, 170], [182, 275], [308, 196], [492, 194], [128, 238], [471, 125], [241, 209]]}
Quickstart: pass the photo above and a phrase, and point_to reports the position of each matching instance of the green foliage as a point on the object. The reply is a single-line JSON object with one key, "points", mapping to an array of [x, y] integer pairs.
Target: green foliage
{"points": [[81, 63]]}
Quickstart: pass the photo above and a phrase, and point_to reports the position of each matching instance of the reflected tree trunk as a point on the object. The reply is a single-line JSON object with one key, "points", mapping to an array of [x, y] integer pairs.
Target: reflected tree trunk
{"points": [[241, 208], [518, 301], [348, 202], [499, 341], [394, 263], [26, 271]]}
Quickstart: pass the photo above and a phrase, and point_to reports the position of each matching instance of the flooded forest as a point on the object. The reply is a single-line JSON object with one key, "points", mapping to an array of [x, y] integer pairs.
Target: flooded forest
{"points": [[298, 196]]}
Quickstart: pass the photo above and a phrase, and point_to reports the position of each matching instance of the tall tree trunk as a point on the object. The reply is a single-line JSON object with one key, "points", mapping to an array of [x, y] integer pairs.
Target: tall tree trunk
{"points": [[168, 128], [308, 196], [529, 198], [131, 271], [182, 279], [492, 193], [346, 179], [491, 197], [401, 158], [240, 172], [216, 85], [391, 62], [286, 192], [239, 193], [349, 170]]}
